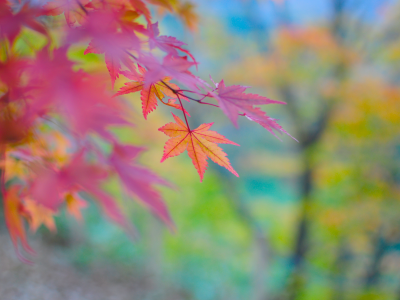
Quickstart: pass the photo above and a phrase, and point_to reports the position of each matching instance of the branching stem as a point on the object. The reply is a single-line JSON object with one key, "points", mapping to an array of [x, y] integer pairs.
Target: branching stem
{"points": [[184, 113]]}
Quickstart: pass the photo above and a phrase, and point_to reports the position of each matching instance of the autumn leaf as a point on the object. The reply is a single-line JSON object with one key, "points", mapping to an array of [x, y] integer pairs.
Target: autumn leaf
{"points": [[172, 66], [149, 94], [200, 143], [259, 116], [139, 181], [56, 119], [110, 39], [74, 205], [171, 102], [73, 10], [186, 12], [11, 24], [141, 8], [232, 100], [168, 44], [13, 213], [38, 215], [10, 76]]}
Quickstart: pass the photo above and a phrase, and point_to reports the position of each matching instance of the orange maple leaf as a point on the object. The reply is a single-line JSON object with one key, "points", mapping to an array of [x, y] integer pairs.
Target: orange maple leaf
{"points": [[200, 143], [149, 94], [13, 213], [187, 12], [74, 205], [38, 215]]}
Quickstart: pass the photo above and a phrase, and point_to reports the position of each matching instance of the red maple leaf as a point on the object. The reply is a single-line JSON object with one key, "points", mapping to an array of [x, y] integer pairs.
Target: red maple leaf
{"points": [[200, 143]]}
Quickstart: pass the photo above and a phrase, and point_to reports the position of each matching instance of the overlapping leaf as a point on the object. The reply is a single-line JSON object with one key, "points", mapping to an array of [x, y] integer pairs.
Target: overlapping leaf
{"points": [[74, 11], [44, 100], [139, 181], [148, 93]]}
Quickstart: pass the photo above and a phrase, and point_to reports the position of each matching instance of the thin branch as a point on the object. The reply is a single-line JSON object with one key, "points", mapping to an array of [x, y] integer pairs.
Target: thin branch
{"points": [[179, 92], [82, 7], [131, 55]]}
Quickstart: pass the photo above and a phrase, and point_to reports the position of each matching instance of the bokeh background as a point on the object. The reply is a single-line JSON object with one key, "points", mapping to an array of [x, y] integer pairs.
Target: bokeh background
{"points": [[317, 219]]}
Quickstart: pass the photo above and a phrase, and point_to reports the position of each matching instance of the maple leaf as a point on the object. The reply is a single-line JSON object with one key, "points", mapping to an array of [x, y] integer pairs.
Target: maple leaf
{"points": [[139, 180], [168, 44], [186, 12], [232, 100], [200, 143], [175, 67], [149, 93], [74, 205], [258, 116], [141, 7], [109, 38], [10, 74], [114, 55], [13, 213], [73, 10], [75, 95], [49, 185], [11, 24], [38, 215]]}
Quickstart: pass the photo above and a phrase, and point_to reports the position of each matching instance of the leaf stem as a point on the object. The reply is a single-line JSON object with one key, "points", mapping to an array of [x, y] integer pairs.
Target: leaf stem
{"points": [[179, 92], [184, 113]]}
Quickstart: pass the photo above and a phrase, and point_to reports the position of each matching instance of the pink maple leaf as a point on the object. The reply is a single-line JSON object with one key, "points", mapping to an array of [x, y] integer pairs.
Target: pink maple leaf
{"points": [[139, 181], [168, 44], [232, 100], [75, 95], [11, 24], [260, 117], [175, 67], [73, 10], [50, 185], [108, 38]]}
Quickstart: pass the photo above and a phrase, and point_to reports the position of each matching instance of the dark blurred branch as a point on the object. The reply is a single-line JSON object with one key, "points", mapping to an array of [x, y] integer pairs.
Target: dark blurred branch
{"points": [[315, 134], [309, 136], [339, 270], [380, 249]]}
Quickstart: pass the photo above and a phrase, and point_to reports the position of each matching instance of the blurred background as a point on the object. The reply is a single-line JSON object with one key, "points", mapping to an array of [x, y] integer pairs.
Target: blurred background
{"points": [[318, 219]]}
